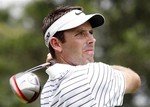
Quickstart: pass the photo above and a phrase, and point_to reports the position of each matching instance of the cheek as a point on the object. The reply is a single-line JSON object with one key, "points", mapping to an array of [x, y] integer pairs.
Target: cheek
{"points": [[73, 48]]}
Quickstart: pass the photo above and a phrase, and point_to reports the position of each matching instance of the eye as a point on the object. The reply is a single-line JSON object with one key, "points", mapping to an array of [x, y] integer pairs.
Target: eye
{"points": [[79, 33]]}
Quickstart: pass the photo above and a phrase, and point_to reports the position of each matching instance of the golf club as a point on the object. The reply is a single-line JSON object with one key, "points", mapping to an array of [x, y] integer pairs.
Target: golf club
{"points": [[26, 85]]}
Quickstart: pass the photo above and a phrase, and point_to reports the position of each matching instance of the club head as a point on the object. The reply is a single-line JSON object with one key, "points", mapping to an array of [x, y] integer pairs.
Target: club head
{"points": [[26, 86]]}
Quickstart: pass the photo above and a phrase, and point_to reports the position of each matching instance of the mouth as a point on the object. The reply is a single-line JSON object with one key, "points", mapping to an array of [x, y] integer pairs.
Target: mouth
{"points": [[89, 51]]}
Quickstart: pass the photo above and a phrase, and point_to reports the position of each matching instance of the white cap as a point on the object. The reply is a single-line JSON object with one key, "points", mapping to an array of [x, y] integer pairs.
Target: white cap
{"points": [[71, 20]]}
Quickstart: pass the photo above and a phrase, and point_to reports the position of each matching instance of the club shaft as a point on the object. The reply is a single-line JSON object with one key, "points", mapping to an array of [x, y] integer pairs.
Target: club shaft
{"points": [[38, 67]]}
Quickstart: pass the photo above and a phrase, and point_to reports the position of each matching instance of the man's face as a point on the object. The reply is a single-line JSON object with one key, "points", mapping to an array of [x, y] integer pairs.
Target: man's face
{"points": [[79, 46]]}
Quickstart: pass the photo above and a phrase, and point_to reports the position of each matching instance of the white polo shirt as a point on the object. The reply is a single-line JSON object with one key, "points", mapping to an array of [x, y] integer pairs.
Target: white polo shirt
{"points": [[90, 85]]}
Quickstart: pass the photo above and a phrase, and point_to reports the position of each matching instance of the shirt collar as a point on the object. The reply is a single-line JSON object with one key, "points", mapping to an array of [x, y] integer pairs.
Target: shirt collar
{"points": [[58, 70]]}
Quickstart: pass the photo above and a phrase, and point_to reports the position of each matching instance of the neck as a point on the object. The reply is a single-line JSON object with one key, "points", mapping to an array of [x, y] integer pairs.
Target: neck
{"points": [[62, 60]]}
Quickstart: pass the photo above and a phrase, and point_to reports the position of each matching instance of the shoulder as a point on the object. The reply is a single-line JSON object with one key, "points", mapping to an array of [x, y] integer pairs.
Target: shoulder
{"points": [[58, 70]]}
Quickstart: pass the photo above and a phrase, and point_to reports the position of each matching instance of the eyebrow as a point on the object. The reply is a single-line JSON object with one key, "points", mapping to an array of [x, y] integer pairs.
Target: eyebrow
{"points": [[81, 30]]}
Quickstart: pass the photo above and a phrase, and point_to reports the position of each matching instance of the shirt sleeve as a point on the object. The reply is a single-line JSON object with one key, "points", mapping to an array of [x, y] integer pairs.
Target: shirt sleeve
{"points": [[107, 85]]}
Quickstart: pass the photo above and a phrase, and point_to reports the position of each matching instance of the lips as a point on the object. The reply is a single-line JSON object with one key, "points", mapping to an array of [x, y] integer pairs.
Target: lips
{"points": [[89, 51]]}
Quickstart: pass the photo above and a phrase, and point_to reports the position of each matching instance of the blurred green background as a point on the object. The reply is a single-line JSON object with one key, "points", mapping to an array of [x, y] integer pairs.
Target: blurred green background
{"points": [[124, 39]]}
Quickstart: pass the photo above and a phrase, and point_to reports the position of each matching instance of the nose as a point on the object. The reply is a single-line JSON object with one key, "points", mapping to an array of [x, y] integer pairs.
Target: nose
{"points": [[91, 39]]}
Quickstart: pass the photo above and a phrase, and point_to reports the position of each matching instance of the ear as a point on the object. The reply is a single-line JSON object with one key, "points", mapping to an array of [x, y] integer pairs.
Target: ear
{"points": [[56, 44]]}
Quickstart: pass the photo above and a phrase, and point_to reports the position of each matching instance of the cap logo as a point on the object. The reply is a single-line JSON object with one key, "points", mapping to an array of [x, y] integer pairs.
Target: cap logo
{"points": [[47, 37], [78, 13]]}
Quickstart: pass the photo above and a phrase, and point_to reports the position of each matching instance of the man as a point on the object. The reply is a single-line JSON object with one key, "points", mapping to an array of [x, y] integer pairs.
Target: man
{"points": [[75, 80]]}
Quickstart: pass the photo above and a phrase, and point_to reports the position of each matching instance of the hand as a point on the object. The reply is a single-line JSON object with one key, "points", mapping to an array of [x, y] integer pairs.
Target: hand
{"points": [[49, 57], [50, 60]]}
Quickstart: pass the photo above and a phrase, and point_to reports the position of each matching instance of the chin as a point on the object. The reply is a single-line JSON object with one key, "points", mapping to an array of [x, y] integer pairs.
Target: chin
{"points": [[89, 61]]}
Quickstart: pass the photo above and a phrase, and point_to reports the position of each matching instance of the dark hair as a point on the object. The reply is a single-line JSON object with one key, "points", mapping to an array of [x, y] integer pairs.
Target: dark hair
{"points": [[51, 18]]}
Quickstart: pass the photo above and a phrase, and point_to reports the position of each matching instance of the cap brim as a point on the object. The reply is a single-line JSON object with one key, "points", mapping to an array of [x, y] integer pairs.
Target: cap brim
{"points": [[96, 21]]}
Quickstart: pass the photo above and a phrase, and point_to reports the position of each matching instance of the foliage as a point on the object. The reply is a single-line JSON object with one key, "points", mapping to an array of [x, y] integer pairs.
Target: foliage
{"points": [[123, 39]]}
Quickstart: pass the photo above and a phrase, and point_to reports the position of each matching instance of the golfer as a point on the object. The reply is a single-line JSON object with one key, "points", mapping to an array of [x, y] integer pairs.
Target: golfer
{"points": [[75, 80]]}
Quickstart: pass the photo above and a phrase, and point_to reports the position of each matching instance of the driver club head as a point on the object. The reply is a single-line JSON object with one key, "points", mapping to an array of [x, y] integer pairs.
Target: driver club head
{"points": [[26, 86]]}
